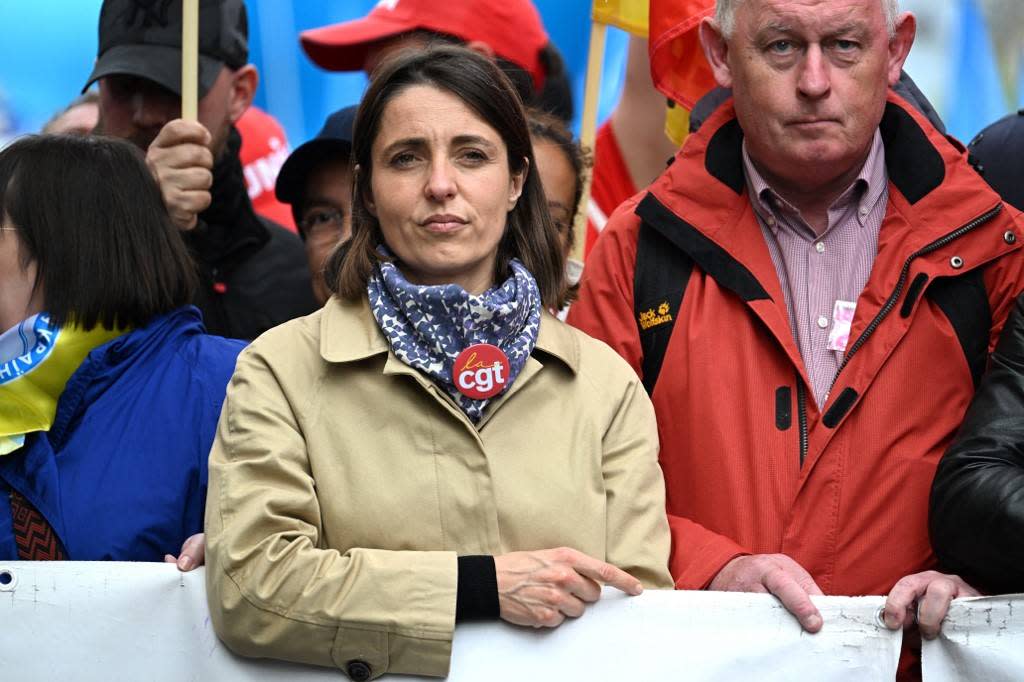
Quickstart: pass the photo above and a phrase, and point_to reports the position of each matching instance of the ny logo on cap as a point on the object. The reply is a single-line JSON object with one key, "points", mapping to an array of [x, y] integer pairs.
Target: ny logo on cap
{"points": [[153, 12], [388, 4]]}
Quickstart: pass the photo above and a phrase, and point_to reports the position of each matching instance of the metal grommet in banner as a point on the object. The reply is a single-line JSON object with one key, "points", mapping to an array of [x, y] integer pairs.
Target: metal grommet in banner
{"points": [[8, 579], [1009, 237], [880, 618], [957, 262]]}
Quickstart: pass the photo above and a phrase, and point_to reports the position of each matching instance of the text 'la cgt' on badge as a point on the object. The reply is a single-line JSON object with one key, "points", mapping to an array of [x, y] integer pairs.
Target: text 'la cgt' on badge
{"points": [[481, 371]]}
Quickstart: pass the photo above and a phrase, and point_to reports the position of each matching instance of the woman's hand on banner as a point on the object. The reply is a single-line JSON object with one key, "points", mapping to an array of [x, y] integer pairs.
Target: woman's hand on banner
{"points": [[541, 588], [192, 555]]}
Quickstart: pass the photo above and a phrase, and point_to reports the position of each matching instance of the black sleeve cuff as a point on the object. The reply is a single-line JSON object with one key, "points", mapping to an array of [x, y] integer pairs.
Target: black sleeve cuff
{"points": [[477, 593]]}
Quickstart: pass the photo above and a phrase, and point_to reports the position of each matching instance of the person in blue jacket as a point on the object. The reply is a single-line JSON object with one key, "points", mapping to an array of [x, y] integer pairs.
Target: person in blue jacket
{"points": [[110, 389]]}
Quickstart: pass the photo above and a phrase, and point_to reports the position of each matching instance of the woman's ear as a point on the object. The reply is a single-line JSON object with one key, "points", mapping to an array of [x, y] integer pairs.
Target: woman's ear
{"points": [[517, 183]]}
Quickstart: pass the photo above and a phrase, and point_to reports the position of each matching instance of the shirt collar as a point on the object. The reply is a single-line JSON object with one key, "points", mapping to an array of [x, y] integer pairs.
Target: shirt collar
{"points": [[875, 179], [868, 188]]}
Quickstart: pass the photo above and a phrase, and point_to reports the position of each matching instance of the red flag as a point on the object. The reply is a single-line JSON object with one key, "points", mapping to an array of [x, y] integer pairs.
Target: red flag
{"points": [[678, 66]]}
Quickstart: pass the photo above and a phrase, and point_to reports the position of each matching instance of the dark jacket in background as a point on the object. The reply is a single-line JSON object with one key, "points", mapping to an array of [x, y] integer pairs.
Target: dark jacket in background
{"points": [[977, 502], [253, 273]]}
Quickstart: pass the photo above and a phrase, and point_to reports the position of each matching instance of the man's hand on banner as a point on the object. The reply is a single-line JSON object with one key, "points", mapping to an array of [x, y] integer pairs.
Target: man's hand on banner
{"points": [[182, 162], [192, 555], [778, 575], [930, 592]]}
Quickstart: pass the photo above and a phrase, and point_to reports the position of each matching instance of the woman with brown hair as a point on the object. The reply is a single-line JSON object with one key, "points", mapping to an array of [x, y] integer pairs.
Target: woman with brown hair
{"points": [[432, 446]]}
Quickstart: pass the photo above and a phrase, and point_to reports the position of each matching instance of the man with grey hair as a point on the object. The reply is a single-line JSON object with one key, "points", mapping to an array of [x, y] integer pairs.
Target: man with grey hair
{"points": [[810, 293], [725, 16]]}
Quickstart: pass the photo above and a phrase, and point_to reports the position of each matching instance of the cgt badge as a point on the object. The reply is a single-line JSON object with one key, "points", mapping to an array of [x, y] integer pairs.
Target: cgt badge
{"points": [[481, 371]]}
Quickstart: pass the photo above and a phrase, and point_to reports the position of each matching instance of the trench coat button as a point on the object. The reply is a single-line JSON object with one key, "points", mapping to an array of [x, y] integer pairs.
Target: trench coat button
{"points": [[1009, 237], [357, 670], [957, 262]]}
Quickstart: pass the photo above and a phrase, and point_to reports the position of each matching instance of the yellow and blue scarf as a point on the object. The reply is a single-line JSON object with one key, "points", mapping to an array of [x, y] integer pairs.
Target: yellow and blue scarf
{"points": [[37, 359]]}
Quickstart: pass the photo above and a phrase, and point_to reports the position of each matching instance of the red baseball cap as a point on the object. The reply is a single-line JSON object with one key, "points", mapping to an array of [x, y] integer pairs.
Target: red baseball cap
{"points": [[512, 28]]}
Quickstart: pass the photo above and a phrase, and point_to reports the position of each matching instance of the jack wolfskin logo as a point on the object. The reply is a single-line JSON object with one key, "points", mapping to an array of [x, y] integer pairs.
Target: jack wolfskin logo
{"points": [[153, 12], [651, 318]]}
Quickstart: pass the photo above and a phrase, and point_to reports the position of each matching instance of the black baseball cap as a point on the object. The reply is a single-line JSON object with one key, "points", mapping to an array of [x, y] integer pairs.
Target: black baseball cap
{"points": [[143, 38], [997, 153], [333, 142]]}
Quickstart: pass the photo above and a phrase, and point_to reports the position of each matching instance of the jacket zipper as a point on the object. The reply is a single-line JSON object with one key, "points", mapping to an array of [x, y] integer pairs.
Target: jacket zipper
{"points": [[904, 273], [801, 406], [801, 392]]}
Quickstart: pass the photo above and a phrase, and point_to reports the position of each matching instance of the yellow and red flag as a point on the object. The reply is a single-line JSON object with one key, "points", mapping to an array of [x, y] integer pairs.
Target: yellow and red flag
{"points": [[678, 66], [629, 15]]}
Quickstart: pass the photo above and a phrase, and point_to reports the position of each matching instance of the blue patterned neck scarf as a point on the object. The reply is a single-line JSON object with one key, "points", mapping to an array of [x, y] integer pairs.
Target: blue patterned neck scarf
{"points": [[428, 326]]}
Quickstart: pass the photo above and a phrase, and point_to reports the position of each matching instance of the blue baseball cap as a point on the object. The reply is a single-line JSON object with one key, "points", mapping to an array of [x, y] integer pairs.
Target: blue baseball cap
{"points": [[332, 143]]}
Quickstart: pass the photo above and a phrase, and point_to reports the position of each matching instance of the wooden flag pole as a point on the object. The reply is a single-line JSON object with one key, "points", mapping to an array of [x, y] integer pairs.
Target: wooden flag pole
{"points": [[588, 129], [190, 60]]}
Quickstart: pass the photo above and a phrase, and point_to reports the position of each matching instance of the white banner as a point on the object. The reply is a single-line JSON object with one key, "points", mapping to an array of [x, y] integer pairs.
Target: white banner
{"points": [[116, 621], [982, 640]]}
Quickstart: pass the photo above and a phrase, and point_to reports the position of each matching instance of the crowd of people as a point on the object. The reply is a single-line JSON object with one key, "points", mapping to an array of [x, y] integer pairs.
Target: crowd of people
{"points": [[794, 362]]}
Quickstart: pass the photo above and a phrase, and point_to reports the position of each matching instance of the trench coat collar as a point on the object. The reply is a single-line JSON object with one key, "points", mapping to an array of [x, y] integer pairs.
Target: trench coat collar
{"points": [[349, 333]]}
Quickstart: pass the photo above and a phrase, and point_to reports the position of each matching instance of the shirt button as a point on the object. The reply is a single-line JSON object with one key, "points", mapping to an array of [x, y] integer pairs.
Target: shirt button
{"points": [[770, 221], [820, 247], [864, 211], [823, 322]]}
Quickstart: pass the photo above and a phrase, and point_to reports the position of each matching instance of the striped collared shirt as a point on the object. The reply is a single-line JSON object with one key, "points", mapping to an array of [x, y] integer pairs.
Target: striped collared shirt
{"points": [[816, 271]]}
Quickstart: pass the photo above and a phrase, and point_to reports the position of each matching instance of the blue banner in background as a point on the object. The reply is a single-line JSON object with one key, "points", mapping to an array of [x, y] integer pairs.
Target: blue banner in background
{"points": [[1020, 80], [978, 97], [47, 51]]}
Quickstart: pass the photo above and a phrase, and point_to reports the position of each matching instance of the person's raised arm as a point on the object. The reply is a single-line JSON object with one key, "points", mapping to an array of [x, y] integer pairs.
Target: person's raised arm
{"points": [[638, 119], [182, 162]]}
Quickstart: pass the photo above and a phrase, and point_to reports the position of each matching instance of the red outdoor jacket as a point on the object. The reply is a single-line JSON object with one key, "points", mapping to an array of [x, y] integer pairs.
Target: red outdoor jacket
{"points": [[854, 513]]}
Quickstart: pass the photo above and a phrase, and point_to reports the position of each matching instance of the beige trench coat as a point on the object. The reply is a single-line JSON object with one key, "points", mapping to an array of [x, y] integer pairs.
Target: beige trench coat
{"points": [[343, 484]]}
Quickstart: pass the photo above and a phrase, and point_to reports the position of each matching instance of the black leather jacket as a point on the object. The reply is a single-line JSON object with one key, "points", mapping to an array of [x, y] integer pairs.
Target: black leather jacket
{"points": [[977, 501]]}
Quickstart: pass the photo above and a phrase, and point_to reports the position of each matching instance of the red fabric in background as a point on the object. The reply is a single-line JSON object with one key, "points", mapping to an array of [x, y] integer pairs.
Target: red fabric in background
{"points": [[611, 184], [678, 66], [264, 150]]}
